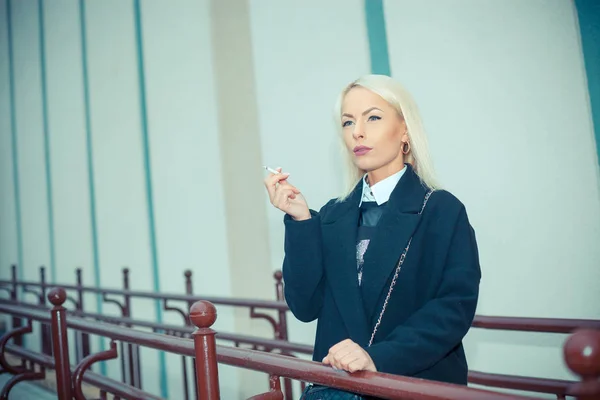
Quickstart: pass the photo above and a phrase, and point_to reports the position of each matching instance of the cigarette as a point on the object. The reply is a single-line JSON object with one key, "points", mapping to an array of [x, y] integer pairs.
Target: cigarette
{"points": [[271, 170]]}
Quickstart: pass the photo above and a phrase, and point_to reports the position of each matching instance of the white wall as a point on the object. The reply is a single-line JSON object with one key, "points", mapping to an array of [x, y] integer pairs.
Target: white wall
{"points": [[303, 57], [506, 110], [510, 131], [183, 143], [507, 113], [8, 237], [184, 150]]}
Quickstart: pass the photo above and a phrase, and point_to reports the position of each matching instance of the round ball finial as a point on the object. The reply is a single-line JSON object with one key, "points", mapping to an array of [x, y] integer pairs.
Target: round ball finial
{"points": [[187, 273], [57, 296], [582, 353], [278, 275], [203, 314], [126, 271]]}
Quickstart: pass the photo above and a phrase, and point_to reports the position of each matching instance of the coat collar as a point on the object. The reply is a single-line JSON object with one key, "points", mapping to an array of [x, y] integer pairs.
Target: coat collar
{"points": [[399, 220], [381, 191], [407, 197]]}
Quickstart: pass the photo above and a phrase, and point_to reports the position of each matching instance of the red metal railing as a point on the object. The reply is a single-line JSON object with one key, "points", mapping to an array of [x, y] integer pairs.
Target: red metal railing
{"points": [[582, 355], [277, 319]]}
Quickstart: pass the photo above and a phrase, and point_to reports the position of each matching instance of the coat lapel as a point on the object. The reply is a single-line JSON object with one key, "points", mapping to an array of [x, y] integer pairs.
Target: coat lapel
{"points": [[340, 232], [398, 222]]}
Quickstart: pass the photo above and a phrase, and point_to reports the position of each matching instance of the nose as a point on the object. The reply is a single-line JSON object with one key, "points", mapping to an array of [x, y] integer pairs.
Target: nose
{"points": [[358, 132]]}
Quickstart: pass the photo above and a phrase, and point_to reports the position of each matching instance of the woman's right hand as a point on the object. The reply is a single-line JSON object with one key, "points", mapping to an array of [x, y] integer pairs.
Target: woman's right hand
{"points": [[286, 197]]}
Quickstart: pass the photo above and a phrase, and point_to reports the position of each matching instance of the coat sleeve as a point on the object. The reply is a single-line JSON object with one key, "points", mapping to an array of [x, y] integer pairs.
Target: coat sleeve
{"points": [[303, 267], [440, 325]]}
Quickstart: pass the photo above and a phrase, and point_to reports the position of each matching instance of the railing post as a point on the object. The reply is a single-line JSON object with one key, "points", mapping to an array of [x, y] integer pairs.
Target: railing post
{"points": [[16, 322], [42, 285], [203, 315], [45, 336], [582, 355], [60, 345], [84, 351], [282, 330], [133, 355], [189, 290]]}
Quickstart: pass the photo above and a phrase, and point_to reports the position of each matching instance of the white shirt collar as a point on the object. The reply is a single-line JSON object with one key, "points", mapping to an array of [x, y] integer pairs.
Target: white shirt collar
{"points": [[381, 191]]}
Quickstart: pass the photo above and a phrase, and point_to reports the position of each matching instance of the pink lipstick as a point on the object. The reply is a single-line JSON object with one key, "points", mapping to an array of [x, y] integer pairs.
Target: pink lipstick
{"points": [[361, 150]]}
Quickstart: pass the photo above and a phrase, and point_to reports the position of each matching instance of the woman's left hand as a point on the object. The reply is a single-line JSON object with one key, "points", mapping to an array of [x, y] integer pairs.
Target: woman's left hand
{"points": [[350, 357]]}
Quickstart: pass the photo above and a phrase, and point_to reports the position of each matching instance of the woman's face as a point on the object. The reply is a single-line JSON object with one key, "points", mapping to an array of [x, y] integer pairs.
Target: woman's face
{"points": [[373, 132]]}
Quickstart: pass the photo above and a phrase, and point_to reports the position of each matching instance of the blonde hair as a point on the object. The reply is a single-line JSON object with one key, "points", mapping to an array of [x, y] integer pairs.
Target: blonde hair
{"points": [[399, 98]]}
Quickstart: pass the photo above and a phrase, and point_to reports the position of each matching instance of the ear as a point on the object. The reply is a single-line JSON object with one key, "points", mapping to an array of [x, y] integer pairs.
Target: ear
{"points": [[404, 128], [405, 137]]}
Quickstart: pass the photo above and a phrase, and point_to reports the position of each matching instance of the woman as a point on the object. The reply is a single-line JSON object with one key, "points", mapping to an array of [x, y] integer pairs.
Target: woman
{"points": [[392, 228]]}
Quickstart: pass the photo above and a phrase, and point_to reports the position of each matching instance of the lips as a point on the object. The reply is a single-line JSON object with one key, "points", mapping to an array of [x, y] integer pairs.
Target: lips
{"points": [[361, 150]]}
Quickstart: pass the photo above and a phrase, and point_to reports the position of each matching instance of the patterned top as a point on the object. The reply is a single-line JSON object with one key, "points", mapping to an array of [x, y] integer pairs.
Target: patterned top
{"points": [[372, 203], [370, 213]]}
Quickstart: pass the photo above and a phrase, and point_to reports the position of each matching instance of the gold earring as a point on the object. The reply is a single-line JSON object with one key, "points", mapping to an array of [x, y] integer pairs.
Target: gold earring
{"points": [[406, 148]]}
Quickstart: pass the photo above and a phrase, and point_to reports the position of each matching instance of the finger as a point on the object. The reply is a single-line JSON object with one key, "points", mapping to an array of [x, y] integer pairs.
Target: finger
{"points": [[326, 361], [348, 354], [285, 188], [273, 179], [282, 196], [357, 365], [343, 352], [336, 347], [334, 363], [271, 185], [345, 356], [349, 360], [284, 183]]}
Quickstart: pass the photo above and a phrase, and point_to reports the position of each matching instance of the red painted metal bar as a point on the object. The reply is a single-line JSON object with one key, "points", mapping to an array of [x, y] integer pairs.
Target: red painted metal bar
{"points": [[92, 378], [203, 315], [539, 385], [20, 377], [547, 325], [501, 323], [282, 329], [375, 384], [82, 340], [226, 301], [274, 393], [13, 283], [133, 354], [60, 346], [189, 290], [86, 363], [12, 334], [582, 354], [45, 337]]}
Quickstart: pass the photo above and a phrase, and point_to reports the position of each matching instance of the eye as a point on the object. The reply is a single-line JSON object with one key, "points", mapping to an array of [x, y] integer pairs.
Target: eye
{"points": [[374, 118], [346, 123]]}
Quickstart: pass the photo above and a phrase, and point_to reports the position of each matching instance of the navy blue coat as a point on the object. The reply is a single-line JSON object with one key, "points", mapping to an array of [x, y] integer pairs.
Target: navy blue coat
{"points": [[435, 297]]}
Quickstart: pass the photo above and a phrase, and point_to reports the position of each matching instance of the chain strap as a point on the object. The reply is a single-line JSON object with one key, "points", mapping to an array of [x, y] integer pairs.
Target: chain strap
{"points": [[398, 268]]}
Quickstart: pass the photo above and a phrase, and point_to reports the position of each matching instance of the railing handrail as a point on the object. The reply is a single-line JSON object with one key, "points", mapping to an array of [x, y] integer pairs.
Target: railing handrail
{"points": [[528, 324], [524, 324], [280, 343], [534, 384], [515, 382], [277, 344], [226, 301], [374, 384]]}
